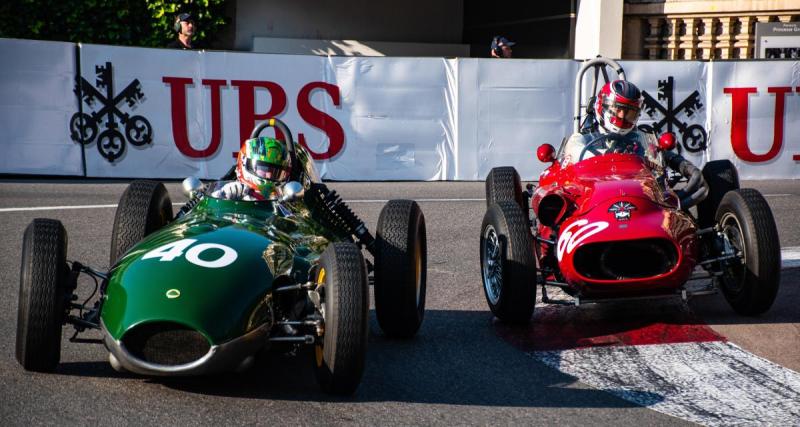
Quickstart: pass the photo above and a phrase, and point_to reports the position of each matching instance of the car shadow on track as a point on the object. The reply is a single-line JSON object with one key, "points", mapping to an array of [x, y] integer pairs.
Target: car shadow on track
{"points": [[715, 310], [457, 358]]}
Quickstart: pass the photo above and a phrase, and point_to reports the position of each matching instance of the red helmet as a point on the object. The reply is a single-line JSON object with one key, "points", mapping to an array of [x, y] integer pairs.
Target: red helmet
{"points": [[618, 106]]}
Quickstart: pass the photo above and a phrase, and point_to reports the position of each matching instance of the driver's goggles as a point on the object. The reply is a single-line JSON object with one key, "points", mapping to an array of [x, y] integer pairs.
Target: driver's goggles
{"points": [[266, 170], [626, 112]]}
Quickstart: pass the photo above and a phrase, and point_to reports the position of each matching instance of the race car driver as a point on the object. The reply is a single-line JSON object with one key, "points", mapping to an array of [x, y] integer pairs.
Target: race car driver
{"points": [[262, 165], [616, 110]]}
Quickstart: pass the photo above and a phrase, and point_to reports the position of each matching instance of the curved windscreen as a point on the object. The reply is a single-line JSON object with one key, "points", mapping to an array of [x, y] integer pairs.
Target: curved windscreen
{"points": [[583, 146]]}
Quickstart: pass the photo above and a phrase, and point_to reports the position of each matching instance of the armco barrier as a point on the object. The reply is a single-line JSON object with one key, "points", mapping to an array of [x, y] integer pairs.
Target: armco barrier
{"points": [[167, 114]]}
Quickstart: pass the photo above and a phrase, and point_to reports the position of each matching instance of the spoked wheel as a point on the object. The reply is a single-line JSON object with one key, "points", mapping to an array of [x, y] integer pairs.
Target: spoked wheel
{"points": [[401, 262], [749, 282], [342, 285], [42, 295], [492, 266], [508, 267], [144, 207]]}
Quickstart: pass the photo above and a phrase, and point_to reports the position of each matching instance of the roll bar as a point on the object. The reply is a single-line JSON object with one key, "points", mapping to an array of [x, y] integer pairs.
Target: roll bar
{"points": [[599, 64]]}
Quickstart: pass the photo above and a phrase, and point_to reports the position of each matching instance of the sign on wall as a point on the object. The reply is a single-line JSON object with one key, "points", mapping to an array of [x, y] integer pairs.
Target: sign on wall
{"points": [[159, 113], [777, 40]]}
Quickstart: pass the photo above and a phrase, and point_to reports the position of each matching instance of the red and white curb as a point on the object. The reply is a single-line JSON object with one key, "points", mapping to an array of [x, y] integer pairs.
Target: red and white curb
{"points": [[658, 354], [709, 383]]}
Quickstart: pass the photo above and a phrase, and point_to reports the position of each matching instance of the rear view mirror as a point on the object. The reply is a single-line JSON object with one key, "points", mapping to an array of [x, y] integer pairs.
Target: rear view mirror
{"points": [[292, 190], [546, 153], [192, 186], [666, 141]]}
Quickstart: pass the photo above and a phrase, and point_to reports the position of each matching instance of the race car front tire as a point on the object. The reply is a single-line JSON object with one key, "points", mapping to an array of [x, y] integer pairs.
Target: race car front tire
{"points": [[42, 295], [744, 217], [508, 266], [144, 207], [401, 263], [503, 183], [340, 354]]}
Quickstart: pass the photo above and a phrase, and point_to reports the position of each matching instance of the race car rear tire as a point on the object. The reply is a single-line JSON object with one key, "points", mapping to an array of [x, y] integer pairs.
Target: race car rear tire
{"points": [[503, 183], [401, 263], [745, 218], [144, 207], [42, 295], [508, 266], [340, 354], [721, 177]]}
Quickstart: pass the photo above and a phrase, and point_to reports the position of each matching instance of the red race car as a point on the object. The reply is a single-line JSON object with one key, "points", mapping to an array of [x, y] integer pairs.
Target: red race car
{"points": [[616, 217]]}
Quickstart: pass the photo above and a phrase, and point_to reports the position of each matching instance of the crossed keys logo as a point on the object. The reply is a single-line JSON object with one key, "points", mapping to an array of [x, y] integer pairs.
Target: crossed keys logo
{"points": [[693, 136], [110, 142]]}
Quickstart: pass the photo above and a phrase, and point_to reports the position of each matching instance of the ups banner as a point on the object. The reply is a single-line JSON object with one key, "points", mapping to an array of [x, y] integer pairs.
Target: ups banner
{"points": [[104, 111]]}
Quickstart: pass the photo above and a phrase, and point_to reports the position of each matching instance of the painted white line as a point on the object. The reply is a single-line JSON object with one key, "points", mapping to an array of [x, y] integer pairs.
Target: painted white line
{"points": [[716, 383], [779, 195], [58, 208], [790, 257]]}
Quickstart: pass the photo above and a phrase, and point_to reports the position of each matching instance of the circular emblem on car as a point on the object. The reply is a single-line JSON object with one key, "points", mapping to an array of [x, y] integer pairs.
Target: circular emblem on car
{"points": [[173, 293], [622, 210]]}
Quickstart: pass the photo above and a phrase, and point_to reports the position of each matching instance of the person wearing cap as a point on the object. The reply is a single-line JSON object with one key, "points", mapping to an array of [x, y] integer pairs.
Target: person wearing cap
{"points": [[184, 26], [501, 47]]}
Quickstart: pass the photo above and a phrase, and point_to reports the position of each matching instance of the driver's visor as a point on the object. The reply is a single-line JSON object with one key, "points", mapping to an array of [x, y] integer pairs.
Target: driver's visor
{"points": [[626, 112], [266, 170]]}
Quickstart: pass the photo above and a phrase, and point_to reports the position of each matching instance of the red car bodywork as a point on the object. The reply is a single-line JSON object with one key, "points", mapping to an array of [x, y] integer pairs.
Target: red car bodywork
{"points": [[617, 230]]}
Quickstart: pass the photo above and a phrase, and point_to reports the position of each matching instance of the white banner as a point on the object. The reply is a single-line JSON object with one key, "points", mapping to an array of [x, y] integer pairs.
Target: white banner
{"points": [[507, 109], [756, 117], [361, 118], [162, 113], [36, 103]]}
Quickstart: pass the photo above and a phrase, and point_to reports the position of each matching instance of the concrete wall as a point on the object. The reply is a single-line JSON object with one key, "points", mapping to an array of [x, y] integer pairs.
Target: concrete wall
{"points": [[410, 21], [599, 29]]}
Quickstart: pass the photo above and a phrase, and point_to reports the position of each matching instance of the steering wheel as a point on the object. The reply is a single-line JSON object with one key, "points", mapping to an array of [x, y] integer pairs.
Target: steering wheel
{"points": [[597, 141]]}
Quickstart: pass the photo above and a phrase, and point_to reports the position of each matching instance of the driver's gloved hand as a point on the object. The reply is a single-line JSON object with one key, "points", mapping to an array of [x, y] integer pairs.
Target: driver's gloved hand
{"points": [[232, 191]]}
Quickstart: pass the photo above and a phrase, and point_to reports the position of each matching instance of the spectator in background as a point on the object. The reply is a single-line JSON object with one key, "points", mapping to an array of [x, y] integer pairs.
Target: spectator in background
{"points": [[501, 47], [184, 26]]}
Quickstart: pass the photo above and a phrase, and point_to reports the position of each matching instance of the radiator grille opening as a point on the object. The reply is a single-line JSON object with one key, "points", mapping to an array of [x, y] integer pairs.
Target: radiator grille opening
{"points": [[165, 343], [620, 260]]}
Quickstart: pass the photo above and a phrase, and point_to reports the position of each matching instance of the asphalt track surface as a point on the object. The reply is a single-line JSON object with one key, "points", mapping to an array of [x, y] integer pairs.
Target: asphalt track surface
{"points": [[462, 368]]}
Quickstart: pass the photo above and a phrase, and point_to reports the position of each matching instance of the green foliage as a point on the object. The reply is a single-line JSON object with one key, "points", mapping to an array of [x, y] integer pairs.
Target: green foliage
{"points": [[116, 22]]}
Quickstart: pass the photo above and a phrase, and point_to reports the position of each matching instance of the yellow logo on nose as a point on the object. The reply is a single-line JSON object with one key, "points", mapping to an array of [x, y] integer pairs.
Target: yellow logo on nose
{"points": [[173, 293]]}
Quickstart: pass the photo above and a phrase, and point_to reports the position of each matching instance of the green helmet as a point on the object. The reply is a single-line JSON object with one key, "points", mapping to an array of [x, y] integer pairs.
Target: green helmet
{"points": [[262, 162]]}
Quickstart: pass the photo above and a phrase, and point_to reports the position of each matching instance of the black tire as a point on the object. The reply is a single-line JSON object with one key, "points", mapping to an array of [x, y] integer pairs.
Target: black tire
{"points": [[503, 183], [401, 263], [721, 177], [339, 357], [508, 266], [42, 295], [746, 219], [144, 207]]}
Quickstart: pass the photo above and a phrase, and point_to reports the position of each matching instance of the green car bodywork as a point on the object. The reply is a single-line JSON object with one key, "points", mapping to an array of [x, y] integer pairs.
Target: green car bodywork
{"points": [[237, 272], [269, 240]]}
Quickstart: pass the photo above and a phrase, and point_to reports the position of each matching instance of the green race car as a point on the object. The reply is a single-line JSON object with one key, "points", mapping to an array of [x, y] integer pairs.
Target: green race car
{"points": [[204, 291]]}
